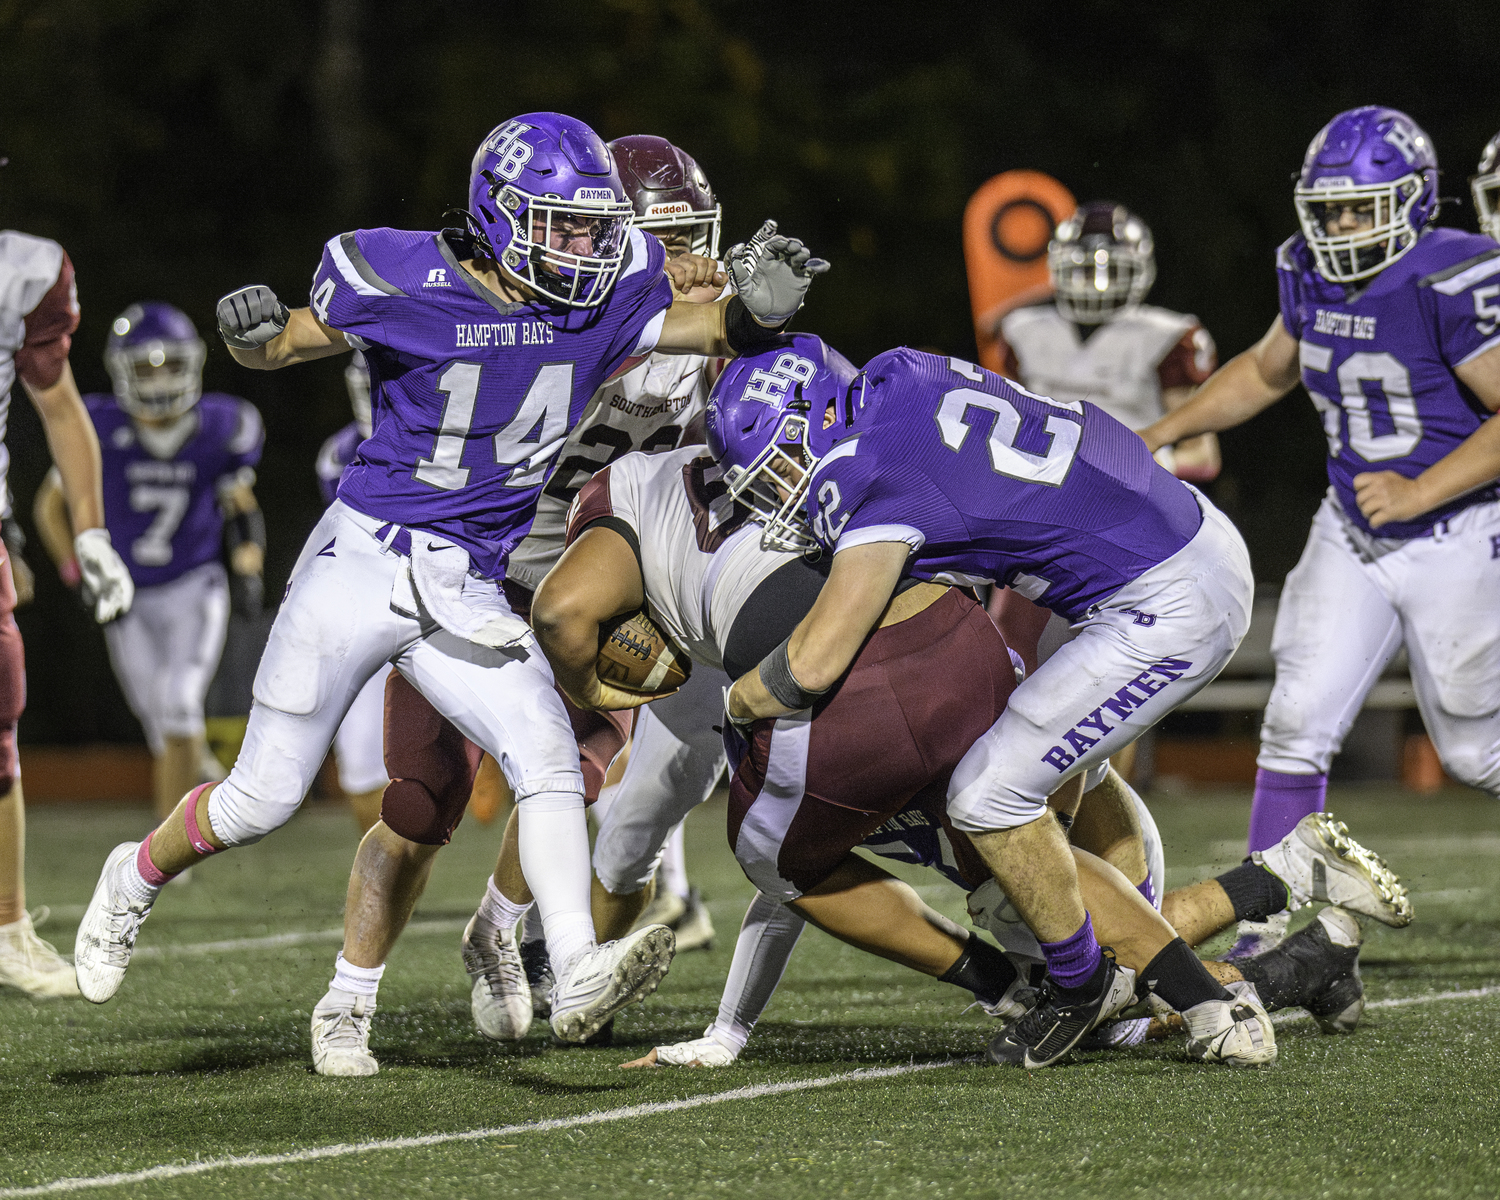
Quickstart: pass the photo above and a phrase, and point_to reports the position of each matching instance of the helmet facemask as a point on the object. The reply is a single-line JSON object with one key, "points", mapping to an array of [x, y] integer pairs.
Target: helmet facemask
{"points": [[157, 379], [576, 278], [1358, 254], [1096, 279], [1486, 189], [703, 225], [774, 485]]}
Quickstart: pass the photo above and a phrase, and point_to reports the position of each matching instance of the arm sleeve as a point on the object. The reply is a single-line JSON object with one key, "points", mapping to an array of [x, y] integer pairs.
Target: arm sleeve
{"points": [[49, 331], [347, 294], [1190, 361]]}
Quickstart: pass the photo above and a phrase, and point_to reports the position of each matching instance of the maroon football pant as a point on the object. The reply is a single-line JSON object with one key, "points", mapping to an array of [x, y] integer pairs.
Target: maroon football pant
{"points": [[812, 788]]}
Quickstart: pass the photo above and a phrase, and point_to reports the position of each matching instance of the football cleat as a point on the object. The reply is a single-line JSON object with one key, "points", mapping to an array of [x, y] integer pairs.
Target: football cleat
{"points": [[538, 965], [1318, 860], [1050, 1030], [1236, 1032], [501, 997], [597, 983], [106, 936], [1022, 994], [706, 1051], [666, 908], [32, 965], [341, 1035], [1259, 937], [687, 919], [1317, 968], [1338, 1008], [1114, 1035]]}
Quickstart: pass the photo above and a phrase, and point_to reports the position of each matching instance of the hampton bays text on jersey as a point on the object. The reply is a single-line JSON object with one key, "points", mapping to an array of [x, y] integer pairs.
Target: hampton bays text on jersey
{"points": [[502, 333], [1342, 324]]}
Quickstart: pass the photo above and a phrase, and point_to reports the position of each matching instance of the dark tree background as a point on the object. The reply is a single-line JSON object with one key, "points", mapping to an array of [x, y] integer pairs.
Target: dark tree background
{"points": [[180, 149]]}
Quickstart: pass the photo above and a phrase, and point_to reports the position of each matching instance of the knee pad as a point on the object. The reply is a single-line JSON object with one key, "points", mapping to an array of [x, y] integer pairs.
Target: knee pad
{"points": [[1476, 766], [242, 820], [999, 809]]}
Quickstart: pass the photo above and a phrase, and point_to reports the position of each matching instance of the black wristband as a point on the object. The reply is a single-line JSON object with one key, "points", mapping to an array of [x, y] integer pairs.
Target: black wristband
{"points": [[776, 674], [246, 527], [744, 333]]}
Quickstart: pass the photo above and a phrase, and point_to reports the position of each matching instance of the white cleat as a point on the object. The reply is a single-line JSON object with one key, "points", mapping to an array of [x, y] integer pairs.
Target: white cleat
{"points": [[1236, 1032], [501, 999], [1318, 860], [341, 1035], [106, 937], [32, 965], [706, 1051], [598, 983]]}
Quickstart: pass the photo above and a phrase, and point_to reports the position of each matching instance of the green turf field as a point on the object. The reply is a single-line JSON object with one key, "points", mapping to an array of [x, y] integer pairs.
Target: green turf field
{"points": [[204, 1053]]}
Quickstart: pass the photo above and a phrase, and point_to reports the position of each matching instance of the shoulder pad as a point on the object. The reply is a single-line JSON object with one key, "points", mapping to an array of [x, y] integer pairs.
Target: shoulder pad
{"points": [[29, 266]]}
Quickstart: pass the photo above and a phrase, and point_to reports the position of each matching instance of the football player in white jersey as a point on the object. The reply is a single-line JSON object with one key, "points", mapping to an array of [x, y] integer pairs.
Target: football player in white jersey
{"points": [[38, 313], [1485, 186], [675, 757]]}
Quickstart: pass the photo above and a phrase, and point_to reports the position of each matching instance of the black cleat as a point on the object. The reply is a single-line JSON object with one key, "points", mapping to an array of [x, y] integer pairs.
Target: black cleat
{"points": [[1316, 968], [538, 976], [1050, 1030]]}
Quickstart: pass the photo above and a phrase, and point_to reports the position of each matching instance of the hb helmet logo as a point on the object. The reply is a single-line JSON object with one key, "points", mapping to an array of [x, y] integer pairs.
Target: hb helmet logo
{"points": [[769, 387], [1399, 136], [512, 152]]}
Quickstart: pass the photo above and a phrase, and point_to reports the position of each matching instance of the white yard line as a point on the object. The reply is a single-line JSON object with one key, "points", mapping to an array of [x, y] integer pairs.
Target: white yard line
{"points": [[344, 1150]]}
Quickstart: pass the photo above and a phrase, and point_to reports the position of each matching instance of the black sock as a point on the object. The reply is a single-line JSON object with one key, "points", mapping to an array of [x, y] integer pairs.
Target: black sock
{"points": [[1179, 978], [1254, 892], [1275, 977], [981, 969]]}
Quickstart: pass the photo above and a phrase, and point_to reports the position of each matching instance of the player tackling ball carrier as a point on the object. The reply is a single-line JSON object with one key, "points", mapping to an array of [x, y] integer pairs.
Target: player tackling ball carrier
{"points": [[1394, 329], [483, 346], [937, 469]]}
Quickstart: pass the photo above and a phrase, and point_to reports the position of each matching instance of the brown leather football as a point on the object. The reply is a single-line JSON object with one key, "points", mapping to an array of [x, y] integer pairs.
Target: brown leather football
{"points": [[636, 656]]}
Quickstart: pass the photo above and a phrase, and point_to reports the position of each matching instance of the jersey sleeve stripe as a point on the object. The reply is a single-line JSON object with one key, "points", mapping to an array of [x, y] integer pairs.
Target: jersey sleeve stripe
{"points": [[845, 449], [1477, 351], [636, 255], [650, 336], [1460, 276], [355, 268]]}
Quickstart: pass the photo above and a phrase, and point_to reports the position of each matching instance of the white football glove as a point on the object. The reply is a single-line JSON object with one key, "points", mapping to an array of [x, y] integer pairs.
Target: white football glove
{"points": [[772, 273], [706, 1051], [251, 317], [106, 580]]}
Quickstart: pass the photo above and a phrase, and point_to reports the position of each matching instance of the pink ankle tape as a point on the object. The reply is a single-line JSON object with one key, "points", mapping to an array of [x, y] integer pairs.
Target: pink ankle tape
{"points": [[190, 821], [149, 871]]}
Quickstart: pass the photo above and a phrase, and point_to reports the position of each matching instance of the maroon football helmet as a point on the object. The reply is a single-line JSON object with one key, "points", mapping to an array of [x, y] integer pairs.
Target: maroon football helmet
{"points": [[669, 190]]}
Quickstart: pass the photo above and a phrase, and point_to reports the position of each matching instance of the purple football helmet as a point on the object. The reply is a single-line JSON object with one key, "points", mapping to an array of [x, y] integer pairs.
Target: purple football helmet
{"points": [[1486, 188], [1377, 163], [669, 190], [357, 380], [155, 361], [767, 427], [1102, 261], [545, 202]]}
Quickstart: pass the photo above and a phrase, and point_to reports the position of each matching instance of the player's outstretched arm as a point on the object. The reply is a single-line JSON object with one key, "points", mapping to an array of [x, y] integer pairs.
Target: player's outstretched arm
{"points": [[819, 651], [75, 450], [55, 527], [264, 335], [596, 580], [1248, 384], [1385, 496]]}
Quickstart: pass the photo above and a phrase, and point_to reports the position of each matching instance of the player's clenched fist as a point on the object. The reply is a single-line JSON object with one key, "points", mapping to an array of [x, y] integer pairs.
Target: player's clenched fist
{"points": [[772, 273], [106, 579], [1386, 496], [251, 317]]}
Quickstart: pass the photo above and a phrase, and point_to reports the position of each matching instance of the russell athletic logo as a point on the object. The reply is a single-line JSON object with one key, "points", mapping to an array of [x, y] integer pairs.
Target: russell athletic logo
{"points": [[1132, 696]]}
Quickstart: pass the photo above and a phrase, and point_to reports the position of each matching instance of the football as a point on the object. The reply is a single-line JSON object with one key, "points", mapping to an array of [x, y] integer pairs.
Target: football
{"points": [[634, 654]]}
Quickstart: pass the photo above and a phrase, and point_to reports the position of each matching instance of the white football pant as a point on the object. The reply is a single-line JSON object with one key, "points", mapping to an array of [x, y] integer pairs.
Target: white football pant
{"points": [[166, 649], [359, 745], [1343, 616], [1149, 647], [337, 629], [676, 758]]}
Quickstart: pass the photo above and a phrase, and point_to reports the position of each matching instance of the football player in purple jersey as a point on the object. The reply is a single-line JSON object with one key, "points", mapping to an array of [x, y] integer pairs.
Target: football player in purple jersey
{"points": [[484, 344], [1393, 326], [357, 747], [179, 471], [932, 468]]}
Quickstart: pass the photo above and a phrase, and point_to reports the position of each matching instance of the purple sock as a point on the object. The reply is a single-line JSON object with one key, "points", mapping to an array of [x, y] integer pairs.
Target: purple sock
{"points": [[1073, 961], [1280, 802], [1148, 889]]}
